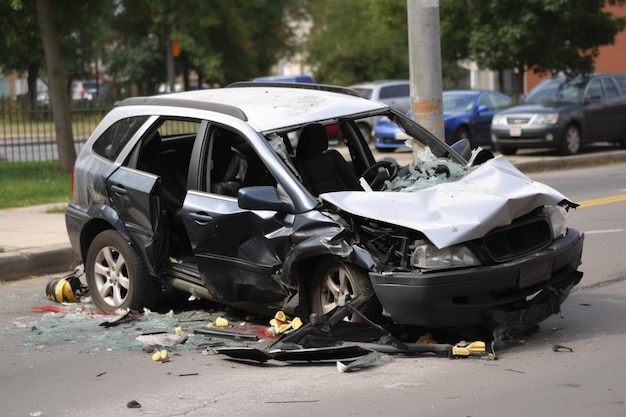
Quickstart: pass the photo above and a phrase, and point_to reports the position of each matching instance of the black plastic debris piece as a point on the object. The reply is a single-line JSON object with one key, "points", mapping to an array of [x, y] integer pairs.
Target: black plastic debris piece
{"points": [[133, 404], [561, 348], [319, 354], [126, 318], [227, 334]]}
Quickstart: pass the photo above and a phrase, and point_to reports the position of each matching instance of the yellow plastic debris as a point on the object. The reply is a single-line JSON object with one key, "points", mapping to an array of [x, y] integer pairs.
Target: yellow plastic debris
{"points": [[280, 316], [469, 349], [221, 322], [161, 356], [284, 327], [296, 323]]}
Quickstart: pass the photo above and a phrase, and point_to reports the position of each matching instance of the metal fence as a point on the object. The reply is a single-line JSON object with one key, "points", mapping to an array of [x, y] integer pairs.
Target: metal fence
{"points": [[29, 135]]}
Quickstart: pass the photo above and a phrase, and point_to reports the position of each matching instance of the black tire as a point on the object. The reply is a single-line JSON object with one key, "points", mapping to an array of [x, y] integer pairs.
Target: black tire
{"points": [[572, 141], [333, 281], [116, 276], [385, 150], [507, 151], [461, 133]]}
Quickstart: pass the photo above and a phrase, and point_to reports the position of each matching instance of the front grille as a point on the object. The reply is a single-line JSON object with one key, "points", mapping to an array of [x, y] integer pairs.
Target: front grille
{"points": [[517, 120], [518, 239]]}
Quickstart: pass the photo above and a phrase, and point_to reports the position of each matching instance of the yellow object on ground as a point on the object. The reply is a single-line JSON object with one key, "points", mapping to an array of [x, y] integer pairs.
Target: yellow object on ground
{"points": [[221, 322]]}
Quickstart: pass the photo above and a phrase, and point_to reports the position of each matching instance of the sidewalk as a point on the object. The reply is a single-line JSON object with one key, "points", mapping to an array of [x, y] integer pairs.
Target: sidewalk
{"points": [[35, 240]]}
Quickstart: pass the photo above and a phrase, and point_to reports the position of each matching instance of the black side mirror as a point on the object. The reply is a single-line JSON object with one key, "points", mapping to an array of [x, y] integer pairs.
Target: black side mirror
{"points": [[263, 198]]}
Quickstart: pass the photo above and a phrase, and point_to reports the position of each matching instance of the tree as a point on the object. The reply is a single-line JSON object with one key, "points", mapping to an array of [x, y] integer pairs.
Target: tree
{"points": [[20, 43], [357, 40], [221, 41], [56, 85], [546, 36]]}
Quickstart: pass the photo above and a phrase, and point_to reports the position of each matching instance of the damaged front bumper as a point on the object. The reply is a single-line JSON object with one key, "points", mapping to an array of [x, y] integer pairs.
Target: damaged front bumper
{"points": [[509, 293]]}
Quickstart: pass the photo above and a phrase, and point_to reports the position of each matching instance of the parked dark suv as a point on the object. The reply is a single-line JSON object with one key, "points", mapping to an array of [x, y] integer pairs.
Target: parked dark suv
{"points": [[201, 191], [565, 114]]}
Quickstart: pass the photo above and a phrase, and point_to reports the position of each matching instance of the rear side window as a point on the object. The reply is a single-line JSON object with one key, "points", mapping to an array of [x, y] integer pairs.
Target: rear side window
{"points": [[610, 88], [113, 140], [621, 82], [398, 90]]}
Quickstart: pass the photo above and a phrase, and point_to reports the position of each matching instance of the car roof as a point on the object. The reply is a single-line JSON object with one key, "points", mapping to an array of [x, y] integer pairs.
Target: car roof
{"points": [[371, 84], [270, 106]]}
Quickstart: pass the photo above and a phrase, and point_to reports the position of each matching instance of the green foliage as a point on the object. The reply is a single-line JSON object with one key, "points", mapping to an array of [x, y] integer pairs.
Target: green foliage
{"points": [[354, 41], [222, 41], [31, 183], [555, 36]]}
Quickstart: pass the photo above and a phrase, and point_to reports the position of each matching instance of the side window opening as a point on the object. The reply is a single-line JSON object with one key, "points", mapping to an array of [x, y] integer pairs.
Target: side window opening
{"points": [[165, 152], [234, 164]]}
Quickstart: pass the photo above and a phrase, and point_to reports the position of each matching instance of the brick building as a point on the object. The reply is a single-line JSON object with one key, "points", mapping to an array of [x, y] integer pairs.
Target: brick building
{"points": [[612, 58]]}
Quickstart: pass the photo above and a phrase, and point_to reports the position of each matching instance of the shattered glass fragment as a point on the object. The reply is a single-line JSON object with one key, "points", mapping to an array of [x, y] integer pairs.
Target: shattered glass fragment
{"points": [[426, 172]]}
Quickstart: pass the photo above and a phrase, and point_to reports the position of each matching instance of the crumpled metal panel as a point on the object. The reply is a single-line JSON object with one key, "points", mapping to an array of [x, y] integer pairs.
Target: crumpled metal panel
{"points": [[448, 213]]}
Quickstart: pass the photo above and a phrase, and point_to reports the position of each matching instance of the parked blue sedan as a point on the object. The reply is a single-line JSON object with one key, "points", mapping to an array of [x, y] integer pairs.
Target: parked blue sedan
{"points": [[466, 114]]}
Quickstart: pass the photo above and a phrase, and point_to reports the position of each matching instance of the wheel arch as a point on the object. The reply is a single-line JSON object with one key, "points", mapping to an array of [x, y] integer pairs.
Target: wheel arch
{"points": [[300, 270], [102, 217]]}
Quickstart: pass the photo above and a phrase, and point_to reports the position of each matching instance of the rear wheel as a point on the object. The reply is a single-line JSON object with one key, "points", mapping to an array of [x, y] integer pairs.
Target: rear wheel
{"points": [[116, 276], [335, 282], [571, 142], [461, 133]]}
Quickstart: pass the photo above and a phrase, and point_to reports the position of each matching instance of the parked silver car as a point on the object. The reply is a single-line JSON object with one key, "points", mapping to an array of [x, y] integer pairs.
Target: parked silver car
{"points": [[394, 93]]}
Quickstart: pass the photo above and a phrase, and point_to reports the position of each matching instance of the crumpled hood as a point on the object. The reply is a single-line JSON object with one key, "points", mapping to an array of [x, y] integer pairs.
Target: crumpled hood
{"points": [[493, 194]]}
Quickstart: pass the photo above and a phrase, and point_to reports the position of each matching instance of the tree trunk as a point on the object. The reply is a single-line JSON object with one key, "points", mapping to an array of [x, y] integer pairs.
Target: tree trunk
{"points": [[33, 74], [59, 100], [519, 84]]}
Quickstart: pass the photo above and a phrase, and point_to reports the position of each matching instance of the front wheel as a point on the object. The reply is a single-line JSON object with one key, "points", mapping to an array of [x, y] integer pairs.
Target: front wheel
{"points": [[507, 151], [461, 133], [116, 276], [571, 142], [335, 282]]}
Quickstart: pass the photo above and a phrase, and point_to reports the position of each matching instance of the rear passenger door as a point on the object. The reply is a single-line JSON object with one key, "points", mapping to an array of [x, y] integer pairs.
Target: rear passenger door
{"points": [[136, 197], [597, 112]]}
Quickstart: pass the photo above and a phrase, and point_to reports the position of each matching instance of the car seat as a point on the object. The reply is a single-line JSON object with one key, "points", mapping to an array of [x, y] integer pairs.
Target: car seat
{"points": [[323, 170]]}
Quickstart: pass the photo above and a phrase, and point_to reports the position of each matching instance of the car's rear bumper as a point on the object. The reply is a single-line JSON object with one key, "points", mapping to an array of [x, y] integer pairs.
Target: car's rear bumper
{"points": [[470, 296]]}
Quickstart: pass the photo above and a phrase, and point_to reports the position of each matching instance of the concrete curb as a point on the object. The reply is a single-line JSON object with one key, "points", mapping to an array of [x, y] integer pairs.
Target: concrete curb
{"points": [[34, 262], [569, 162]]}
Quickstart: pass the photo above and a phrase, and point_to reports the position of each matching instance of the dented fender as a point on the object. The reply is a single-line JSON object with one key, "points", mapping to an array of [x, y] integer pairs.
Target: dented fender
{"points": [[334, 241]]}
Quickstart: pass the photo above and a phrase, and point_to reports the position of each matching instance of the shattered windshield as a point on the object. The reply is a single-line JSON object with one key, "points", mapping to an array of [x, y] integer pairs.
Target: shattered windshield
{"points": [[558, 90]]}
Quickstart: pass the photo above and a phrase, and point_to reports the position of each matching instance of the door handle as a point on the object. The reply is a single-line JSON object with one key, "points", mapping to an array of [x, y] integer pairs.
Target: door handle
{"points": [[118, 189], [201, 217]]}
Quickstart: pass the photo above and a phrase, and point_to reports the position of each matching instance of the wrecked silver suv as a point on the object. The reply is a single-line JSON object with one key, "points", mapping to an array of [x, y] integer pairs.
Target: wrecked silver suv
{"points": [[205, 192]]}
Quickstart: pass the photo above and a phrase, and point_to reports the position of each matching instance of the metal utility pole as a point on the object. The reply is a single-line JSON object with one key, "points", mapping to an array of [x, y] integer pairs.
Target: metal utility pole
{"points": [[425, 65]]}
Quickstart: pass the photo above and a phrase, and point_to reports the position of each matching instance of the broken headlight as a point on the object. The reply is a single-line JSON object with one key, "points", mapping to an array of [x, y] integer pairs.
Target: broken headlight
{"points": [[557, 216], [428, 256]]}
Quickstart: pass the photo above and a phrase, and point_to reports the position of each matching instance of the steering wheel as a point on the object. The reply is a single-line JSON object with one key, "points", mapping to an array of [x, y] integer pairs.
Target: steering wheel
{"points": [[378, 173]]}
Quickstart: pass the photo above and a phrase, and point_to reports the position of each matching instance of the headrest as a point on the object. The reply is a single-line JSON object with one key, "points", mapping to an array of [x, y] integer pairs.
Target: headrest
{"points": [[313, 141]]}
